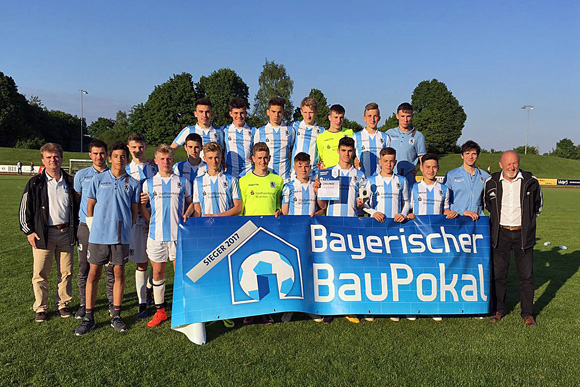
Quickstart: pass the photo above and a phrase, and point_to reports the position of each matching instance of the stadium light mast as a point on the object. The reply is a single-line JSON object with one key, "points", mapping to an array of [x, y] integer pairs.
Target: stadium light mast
{"points": [[528, 108], [82, 135]]}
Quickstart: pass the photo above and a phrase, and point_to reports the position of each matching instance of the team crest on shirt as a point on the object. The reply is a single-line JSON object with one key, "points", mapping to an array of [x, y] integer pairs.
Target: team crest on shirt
{"points": [[328, 147], [440, 193], [126, 187], [154, 193], [251, 192], [267, 140], [287, 132], [412, 141], [382, 141], [272, 184], [363, 147], [204, 193], [225, 184], [398, 185], [229, 138], [179, 185], [419, 199], [295, 199]]}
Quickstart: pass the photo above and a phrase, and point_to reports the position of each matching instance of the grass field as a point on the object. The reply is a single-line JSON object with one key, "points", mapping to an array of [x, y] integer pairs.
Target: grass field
{"points": [[456, 351]]}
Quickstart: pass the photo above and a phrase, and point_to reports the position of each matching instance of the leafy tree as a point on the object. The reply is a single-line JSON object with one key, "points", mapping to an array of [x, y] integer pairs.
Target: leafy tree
{"points": [[565, 148], [438, 115], [390, 123], [273, 82], [168, 109], [321, 117], [220, 87], [100, 125], [13, 112], [531, 150], [355, 126]]}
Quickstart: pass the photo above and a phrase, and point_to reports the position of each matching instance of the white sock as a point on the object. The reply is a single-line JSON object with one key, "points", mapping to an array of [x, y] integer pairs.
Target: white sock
{"points": [[150, 279], [159, 292], [140, 279]]}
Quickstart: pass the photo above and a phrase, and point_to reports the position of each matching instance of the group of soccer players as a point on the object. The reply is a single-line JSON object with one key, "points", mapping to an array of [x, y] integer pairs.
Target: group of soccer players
{"points": [[131, 210]]}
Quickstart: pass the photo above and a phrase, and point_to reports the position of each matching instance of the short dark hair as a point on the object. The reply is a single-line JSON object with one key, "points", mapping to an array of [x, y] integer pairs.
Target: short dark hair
{"points": [[204, 102], [276, 101], [302, 156], [97, 144], [430, 156], [120, 145], [346, 141], [406, 107], [388, 151], [193, 137], [260, 147], [138, 137], [336, 108], [470, 145], [238, 103]]}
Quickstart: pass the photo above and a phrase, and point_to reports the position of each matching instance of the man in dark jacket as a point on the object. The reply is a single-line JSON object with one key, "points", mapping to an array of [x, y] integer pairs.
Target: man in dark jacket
{"points": [[514, 199], [48, 217]]}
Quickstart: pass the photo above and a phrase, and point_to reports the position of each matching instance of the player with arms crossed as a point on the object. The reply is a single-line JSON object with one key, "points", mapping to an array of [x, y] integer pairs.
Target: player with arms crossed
{"points": [[278, 138], [370, 141], [170, 197], [307, 131], [327, 142], [429, 197], [111, 211], [83, 180], [261, 191], [238, 139], [140, 169], [203, 127]]}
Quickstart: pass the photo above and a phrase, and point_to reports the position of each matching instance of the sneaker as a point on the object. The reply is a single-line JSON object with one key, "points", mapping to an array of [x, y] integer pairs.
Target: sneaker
{"points": [[149, 296], [158, 318], [142, 311], [80, 313], [411, 318], [369, 318], [479, 317], [316, 317], [111, 309], [41, 317], [85, 326], [437, 318], [352, 318], [229, 323], [64, 312], [286, 317], [395, 319], [118, 324], [267, 319], [249, 320], [327, 319]]}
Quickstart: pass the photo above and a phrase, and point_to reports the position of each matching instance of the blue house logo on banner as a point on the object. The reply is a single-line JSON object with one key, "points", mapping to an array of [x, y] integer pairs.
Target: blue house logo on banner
{"points": [[265, 266]]}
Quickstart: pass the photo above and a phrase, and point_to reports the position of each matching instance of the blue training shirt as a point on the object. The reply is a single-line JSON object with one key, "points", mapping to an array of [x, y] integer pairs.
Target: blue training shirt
{"points": [[466, 190], [409, 146], [83, 179]]}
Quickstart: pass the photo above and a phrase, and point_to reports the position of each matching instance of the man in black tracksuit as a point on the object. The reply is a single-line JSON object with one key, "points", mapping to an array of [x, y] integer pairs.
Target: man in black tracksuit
{"points": [[514, 199]]}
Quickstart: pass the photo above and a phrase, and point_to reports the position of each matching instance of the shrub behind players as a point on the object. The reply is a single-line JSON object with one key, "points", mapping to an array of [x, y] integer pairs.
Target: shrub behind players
{"points": [[170, 197], [429, 197], [194, 166], [327, 142], [83, 180], [140, 169], [307, 131], [467, 182], [111, 211], [370, 141], [351, 179], [261, 191], [238, 140], [278, 138]]}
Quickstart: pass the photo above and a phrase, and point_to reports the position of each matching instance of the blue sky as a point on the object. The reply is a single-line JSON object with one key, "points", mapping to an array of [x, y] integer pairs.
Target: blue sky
{"points": [[495, 56]]}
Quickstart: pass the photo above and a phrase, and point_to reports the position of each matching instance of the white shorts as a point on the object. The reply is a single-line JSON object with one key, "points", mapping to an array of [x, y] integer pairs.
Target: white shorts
{"points": [[161, 251], [137, 243]]}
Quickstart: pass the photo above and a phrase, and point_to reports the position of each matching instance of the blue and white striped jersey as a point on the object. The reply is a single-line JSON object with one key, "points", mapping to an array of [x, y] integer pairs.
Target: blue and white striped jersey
{"points": [[83, 179], [306, 142], [350, 182], [167, 197], [466, 190], [280, 140], [207, 135], [188, 171], [113, 216], [429, 199], [215, 194], [368, 148], [389, 195], [300, 197], [141, 172], [239, 143]]}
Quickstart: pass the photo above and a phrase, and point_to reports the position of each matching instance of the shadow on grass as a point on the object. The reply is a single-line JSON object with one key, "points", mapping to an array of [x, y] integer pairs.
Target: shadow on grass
{"points": [[553, 267]]}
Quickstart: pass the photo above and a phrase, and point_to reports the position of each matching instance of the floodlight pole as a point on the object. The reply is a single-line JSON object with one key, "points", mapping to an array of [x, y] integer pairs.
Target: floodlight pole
{"points": [[82, 92], [528, 108]]}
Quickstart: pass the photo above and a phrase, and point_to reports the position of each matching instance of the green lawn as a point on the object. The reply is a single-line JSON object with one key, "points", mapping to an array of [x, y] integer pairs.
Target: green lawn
{"points": [[456, 351]]}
